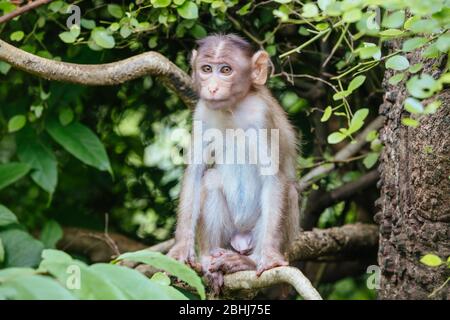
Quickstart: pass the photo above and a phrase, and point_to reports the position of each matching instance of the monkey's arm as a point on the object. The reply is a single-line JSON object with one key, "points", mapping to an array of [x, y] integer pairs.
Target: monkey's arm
{"points": [[269, 247], [188, 214]]}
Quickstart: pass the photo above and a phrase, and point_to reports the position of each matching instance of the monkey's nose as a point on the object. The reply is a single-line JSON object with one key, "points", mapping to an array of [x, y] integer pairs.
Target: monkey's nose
{"points": [[213, 90]]}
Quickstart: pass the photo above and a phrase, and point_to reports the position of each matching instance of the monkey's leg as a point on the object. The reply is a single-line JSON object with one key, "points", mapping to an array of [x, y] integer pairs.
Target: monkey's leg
{"points": [[216, 226]]}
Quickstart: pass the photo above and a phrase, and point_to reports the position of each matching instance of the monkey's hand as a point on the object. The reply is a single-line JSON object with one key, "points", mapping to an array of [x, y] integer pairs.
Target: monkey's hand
{"points": [[185, 253], [270, 259], [230, 262]]}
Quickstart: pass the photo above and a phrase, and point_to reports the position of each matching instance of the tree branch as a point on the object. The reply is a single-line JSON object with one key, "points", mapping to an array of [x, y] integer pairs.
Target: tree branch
{"points": [[348, 241], [326, 200], [293, 276], [344, 154], [149, 63], [20, 10]]}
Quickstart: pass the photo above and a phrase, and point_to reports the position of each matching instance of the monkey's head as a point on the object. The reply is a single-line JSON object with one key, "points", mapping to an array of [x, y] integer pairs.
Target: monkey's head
{"points": [[225, 68]]}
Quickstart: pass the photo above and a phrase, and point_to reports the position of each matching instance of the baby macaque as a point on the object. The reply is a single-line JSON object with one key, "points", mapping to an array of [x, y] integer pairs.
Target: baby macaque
{"points": [[241, 213]]}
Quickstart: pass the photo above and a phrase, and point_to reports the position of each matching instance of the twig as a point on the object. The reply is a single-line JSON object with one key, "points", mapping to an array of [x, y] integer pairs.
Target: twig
{"points": [[20, 10], [347, 152], [314, 208]]}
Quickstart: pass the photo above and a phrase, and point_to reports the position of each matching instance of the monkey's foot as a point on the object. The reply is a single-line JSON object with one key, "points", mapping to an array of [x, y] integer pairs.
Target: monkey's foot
{"points": [[215, 281], [230, 262], [185, 254], [270, 260]]}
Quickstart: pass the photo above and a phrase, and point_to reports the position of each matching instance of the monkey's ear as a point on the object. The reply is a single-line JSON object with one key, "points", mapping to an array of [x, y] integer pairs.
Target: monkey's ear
{"points": [[193, 57], [260, 65]]}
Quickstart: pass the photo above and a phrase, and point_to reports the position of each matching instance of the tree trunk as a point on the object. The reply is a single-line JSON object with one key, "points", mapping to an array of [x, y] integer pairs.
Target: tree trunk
{"points": [[415, 193]]}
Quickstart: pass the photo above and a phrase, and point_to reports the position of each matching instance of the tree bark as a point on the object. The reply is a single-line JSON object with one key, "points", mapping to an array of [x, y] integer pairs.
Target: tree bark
{"points": [[415, 192]]}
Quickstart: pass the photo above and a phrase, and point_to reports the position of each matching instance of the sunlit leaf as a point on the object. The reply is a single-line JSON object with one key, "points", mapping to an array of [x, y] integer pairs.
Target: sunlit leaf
{"points": [[397, 62], [414, 106], [326, 114], [431, 260]]}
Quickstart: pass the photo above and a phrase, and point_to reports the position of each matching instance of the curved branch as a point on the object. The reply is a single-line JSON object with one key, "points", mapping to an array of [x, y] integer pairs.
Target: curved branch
{"points": [[293, 276], [149, 63], [29, 6]]}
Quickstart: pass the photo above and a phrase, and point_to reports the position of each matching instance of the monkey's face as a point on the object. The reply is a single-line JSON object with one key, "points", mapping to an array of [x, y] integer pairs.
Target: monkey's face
{"points": [[221, 82]]}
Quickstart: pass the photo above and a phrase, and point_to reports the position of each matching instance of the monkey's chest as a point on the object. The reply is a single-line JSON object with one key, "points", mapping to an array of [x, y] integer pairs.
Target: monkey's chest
{"points": [[242, 186]]}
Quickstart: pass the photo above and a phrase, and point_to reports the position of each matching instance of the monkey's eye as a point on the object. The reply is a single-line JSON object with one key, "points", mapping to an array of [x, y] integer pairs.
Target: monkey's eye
{"points": [[206, 69], [225, 70]]}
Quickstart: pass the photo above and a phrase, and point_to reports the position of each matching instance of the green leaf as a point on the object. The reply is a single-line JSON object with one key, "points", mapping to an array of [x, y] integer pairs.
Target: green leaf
{"points": [[102, 38], [323, 4], [358, 120], [36, 287], [134, 284], [356, 83], [16, 123], [336, 137], [198, 32], [51, 234], [81, 142], [11, 172], [414, 106], [424, 26], [413, 43], [115, 10], [188, 10], [4, 67], [443, 43], [66, 116], [245, 9], [310, 10], [415, 67], [82, 281], [55, 6], [326, 114], [372, 135], [431, 51], [391, 33], [396, 78], [70, 36], [431, 260], [2, 253], [422, 87], [397, 62], [32, 151], [6, 216], [394, 20], [161, 278], [125, 31], [341, 95], [352, 15], [370, 51], [370, 160], [22, 250], [410, 122], [163, 262], [161, 3], [432, 107], [17, 36], [88, 24]]}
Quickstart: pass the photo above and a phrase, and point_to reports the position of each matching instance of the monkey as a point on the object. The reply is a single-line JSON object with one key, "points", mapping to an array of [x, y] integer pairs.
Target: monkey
{"points": [[240, 218]]}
